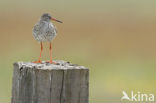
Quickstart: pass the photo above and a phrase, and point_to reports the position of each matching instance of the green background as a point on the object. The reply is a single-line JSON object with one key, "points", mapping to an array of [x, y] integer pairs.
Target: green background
{"points": [[114, 38]]}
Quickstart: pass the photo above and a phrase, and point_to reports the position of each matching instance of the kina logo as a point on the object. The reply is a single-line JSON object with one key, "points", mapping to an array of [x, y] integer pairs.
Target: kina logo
{"points": [[137, 97]]}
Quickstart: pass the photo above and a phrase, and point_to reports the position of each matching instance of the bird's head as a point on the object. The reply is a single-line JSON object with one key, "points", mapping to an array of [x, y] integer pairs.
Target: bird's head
{"points": [[48, 17]]}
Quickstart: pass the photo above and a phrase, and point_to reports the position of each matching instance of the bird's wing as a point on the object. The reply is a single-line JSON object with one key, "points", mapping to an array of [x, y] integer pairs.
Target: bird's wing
{"points": [[38, 27], [55, 28], [51, 28]]}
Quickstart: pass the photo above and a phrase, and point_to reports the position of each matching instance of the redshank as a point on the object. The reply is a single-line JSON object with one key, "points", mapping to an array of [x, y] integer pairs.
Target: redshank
{"points": [[45, 31]]}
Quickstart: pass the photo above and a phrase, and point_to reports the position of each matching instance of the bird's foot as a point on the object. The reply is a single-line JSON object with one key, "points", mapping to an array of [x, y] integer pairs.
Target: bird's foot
{"points": [[51, 62], [39, 61]]}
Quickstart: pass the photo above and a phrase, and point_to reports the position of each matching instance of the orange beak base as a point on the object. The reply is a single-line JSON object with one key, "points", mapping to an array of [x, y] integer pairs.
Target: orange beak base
{"points": [[56, 20]]}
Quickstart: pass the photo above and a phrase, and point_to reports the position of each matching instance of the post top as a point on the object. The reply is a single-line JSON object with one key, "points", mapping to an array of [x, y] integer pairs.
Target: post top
{"points": [[60, 64]]}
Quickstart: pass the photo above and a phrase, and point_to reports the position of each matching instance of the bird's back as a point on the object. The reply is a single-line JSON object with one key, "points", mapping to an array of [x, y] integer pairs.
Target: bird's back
{"points": [[44, 31]]}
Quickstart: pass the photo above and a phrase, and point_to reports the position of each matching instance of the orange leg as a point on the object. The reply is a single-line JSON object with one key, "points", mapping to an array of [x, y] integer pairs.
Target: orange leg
{"points": [[51, 60], [39, 59]]}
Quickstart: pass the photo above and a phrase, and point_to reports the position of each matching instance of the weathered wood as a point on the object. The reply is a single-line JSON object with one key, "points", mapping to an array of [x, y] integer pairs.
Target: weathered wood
{"points": [[50, 83]]}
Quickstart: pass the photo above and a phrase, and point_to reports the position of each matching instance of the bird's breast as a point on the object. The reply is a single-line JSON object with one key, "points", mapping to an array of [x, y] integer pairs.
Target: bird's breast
{"points": [[44, 31]]}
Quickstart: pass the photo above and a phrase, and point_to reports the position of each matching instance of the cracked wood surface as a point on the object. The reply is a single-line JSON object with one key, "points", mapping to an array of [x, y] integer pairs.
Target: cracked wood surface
{"points": [[62, 82]]}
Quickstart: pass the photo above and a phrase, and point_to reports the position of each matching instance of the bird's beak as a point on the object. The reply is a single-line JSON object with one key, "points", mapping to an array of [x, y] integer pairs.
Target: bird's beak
{"points": [[56, 20]]}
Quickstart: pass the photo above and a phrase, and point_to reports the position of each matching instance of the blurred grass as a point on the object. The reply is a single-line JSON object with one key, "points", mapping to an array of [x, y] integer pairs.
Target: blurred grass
{"points": [[108, 77], [115, 39]]}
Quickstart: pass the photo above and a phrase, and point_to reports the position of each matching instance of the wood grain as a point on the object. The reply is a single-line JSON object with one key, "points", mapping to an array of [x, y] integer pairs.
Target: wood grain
{"points": [[50, 83]]}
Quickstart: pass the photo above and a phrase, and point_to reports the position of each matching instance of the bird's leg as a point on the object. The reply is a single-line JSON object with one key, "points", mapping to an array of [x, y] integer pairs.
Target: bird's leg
{"points": [[51, 60], [39, 59]]}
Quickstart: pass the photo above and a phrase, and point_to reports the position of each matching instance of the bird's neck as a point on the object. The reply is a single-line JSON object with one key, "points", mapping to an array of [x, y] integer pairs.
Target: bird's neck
{"points": [[45, 21]]}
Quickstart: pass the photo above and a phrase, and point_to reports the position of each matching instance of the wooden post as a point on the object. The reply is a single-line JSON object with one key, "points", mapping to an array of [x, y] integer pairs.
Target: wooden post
{"points": [[50, 83]]}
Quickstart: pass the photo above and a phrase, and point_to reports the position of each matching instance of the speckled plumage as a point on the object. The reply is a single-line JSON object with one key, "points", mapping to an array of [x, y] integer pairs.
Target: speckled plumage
{"points": [[44, 30]]}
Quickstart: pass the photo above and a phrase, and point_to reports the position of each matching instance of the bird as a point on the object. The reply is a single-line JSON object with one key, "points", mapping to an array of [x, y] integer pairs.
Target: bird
{"points": [[125, 96], [45, 31]]}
